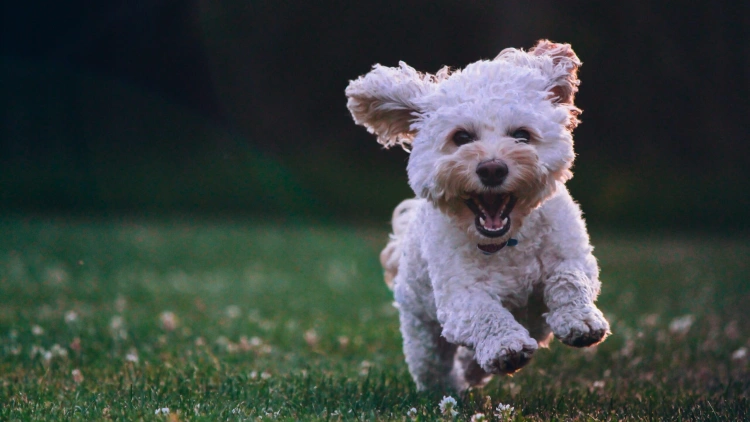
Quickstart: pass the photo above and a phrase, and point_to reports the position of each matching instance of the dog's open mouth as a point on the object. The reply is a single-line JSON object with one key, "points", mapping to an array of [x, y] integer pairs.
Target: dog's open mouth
{"points": [[492, 212]]}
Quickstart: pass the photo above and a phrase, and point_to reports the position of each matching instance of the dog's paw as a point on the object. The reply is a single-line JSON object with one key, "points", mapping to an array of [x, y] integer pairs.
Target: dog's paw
{"points": [[509, 356], [579, 326]]}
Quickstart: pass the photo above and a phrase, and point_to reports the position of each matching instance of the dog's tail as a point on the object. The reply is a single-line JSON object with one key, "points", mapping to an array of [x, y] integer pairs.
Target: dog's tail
{"points": [[390, 256]]}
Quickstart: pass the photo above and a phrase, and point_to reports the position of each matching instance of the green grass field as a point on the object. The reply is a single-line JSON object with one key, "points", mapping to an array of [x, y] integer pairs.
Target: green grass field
{"points": [[241, 320]]}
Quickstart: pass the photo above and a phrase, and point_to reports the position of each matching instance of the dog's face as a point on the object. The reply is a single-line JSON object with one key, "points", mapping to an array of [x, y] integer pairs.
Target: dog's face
{"points": [[489, 143]]}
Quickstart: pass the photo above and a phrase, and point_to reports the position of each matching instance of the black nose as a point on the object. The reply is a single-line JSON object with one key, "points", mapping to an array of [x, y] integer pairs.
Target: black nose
{"points": [[492, 173]]}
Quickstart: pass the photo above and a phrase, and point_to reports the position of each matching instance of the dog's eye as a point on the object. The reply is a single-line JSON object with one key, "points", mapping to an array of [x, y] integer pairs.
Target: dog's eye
{"points": [[463, 137], [521, 135]]}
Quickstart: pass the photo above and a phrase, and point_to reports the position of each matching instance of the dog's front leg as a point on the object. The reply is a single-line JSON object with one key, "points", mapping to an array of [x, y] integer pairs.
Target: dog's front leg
{"points": [[572, 316], [474, 318]]}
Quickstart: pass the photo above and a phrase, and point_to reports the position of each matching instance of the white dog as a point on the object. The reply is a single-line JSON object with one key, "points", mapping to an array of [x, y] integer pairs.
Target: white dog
{"points": [[493, 257]]}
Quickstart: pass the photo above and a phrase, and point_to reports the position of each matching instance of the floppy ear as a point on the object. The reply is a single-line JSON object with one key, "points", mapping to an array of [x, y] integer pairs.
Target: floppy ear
{"points": [[384, 101], [564, 75]]}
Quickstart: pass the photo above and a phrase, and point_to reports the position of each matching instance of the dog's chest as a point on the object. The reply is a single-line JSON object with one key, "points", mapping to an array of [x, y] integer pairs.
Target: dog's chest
{"points": [[509, 274]]}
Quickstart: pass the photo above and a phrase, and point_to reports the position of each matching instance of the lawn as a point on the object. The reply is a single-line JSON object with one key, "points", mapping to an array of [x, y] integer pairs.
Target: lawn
{"points": [[244, 320]]}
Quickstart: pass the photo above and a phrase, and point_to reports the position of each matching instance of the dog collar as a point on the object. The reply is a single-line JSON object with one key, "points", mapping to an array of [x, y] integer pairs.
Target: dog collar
{"points": [[496, 248]]}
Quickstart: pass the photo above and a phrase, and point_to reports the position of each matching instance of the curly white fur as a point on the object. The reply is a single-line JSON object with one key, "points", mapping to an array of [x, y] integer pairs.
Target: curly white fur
{"points": [[466, 314]]}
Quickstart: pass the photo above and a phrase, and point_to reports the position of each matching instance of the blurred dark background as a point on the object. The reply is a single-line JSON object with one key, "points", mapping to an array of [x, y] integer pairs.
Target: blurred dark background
{"points": [[238, 107]]}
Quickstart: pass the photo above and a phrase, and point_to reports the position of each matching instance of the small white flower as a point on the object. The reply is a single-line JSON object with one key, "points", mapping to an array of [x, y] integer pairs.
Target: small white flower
{"points": [[478, 417], [343, 341], [681, 325], [162, 411], [71, 317], [233, 311], [116, 322], [448, 406], [311, 338], [77, 376], [58, 351], [168, 320], [117, 328], [132, 356], [37, 330], [503, 411], [739, 354], [412, 413], [364, 367]]}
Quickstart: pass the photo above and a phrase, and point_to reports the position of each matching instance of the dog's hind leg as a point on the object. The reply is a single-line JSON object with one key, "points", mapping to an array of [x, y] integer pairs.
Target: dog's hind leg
{"points": [[428, 355]]}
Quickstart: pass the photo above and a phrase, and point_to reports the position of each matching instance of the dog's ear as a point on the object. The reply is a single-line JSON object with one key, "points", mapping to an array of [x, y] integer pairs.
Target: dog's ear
{"points": [[564, 74], [385, 102]]}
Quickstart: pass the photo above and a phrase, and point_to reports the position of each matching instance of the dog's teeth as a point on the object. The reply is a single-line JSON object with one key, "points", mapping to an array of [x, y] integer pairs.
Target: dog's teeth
{"points": [[481, 220]]}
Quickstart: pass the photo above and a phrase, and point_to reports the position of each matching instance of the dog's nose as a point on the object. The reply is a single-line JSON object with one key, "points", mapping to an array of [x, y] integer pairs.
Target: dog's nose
{"points": [[492, 172]]}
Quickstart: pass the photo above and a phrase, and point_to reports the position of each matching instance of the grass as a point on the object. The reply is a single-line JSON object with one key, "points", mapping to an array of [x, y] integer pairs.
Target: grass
{"points": [[239, 320]]}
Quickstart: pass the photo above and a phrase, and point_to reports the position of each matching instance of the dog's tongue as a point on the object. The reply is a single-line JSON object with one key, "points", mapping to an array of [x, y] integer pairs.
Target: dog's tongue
{"points": [[493, 205], [493, 223]]}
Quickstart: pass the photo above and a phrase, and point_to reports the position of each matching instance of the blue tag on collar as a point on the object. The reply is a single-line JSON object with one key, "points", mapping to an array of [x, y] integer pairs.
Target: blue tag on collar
{"points": [[512, 242]]}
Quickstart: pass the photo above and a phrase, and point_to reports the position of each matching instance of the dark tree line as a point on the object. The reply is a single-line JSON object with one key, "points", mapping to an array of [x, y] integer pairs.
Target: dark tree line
{"points": [[665, 90]]}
